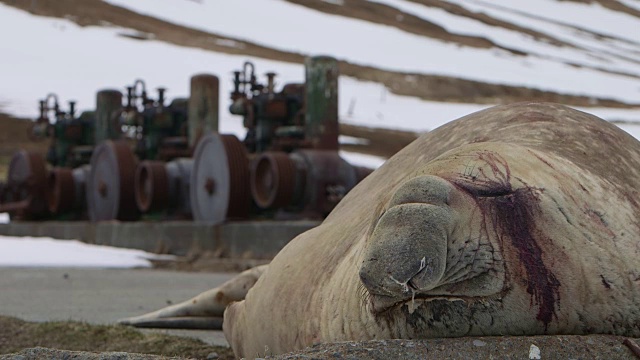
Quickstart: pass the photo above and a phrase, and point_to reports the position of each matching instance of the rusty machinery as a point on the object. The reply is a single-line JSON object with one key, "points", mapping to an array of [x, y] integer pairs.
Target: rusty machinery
{"points": [[153, 179], [26, 193], [288, 164], [89, 181], [150, 177], [68, 183]]}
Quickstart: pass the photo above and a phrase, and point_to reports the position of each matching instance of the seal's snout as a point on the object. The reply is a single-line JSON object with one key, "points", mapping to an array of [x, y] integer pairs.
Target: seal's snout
{"points": [[407, 250]]}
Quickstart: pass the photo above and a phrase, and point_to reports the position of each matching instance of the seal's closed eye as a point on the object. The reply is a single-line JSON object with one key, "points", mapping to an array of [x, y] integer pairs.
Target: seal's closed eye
{"points": [[425, 189]]}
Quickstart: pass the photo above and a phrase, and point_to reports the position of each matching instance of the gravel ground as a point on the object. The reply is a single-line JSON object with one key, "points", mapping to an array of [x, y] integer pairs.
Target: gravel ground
{"points": [[508, 347], [521, 347]]}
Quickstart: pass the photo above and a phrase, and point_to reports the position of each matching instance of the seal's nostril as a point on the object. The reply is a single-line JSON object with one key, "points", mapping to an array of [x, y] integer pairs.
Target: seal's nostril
{"points": [[412, 285], [366, 279]]}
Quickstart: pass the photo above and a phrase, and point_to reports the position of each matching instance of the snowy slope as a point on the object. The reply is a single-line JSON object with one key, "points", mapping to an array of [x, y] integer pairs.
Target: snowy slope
{"points": [[387, 47], [35, 63], [78, 74]]}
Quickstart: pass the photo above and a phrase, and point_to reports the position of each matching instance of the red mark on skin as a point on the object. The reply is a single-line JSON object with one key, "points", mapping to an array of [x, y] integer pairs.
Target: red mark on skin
{"points": [[514, 217], [597, 219], [512, 214], [541, 159]]}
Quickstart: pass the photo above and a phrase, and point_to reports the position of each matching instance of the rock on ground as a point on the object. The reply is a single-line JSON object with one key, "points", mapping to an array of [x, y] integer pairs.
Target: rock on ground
{"points": [[507, 347]]}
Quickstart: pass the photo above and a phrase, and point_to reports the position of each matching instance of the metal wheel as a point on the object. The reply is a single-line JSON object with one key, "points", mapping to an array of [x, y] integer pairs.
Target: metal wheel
{"points": [[179, 175], [61, 192], [110, 189], [273, 180], [152, 186], [220, 179], [27, 185]]}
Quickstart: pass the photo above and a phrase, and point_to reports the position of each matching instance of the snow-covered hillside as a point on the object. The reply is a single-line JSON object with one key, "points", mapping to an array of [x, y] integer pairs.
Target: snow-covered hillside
{"points": [[556, 46], [300, 29]]}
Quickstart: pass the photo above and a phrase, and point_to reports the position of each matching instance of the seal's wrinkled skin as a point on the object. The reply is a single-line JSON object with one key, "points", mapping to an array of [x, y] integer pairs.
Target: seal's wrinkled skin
{"points": [[519, 219]]}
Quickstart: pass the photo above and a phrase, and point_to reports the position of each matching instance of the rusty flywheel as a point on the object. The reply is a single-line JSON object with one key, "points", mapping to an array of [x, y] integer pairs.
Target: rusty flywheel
{"points": [[152, 186], [220, 179], [26, 187], [110, 189], [273, 180]]}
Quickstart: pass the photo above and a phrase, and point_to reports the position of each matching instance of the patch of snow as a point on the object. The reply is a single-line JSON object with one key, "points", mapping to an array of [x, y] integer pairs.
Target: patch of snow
{"points": [[4, 218], [343, 139], [364, 160], [230, 43], [48, 252]]}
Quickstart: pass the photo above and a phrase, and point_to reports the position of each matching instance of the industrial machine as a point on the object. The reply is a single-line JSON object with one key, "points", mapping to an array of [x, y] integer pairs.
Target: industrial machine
{"points": [[26, 192], [152, 159], [288, 166], [130, 176]]}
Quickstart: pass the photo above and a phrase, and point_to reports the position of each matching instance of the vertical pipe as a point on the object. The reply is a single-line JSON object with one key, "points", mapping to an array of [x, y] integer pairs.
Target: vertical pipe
{"points": [[108, 108], [203, 109], [72, 109], [321, 101], [271, 82], [43, 110]]}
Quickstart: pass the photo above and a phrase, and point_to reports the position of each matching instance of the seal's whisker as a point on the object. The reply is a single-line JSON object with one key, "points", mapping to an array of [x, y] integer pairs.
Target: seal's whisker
{"points": [[405, 286]]}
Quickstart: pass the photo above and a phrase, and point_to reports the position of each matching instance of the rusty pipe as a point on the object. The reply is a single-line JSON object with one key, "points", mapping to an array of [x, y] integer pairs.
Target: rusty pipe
{"points": [[15, 206], [271, 82]]}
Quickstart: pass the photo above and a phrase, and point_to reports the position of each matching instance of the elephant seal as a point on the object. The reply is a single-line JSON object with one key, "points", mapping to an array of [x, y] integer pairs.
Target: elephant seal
{"points": [[520, 219]]}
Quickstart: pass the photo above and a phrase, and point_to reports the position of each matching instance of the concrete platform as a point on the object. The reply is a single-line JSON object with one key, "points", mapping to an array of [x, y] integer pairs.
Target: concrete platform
{"points": [[251, 239], [102, 296]]}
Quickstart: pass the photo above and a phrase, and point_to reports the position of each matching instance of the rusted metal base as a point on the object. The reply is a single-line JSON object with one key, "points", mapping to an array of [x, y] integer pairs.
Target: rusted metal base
{"points": [[110, 189], [24, 195]]}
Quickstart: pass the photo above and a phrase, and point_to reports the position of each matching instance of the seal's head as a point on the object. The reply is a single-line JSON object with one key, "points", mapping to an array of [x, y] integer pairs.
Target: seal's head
{"points": [[428, 244]]}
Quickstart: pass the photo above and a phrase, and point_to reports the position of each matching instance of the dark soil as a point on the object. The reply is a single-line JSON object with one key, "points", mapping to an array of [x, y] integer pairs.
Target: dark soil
{"points": [[16, 334]]}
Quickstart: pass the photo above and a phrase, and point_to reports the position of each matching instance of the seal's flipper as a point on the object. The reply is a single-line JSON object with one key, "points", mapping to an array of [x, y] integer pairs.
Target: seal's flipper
{"points": [[203, 311], [179, 322]]}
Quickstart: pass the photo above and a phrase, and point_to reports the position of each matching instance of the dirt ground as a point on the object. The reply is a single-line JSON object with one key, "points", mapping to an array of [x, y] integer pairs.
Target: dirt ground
{"points": [[16, 334]]}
